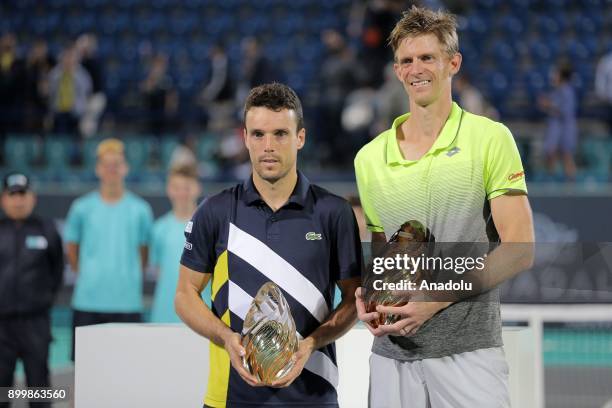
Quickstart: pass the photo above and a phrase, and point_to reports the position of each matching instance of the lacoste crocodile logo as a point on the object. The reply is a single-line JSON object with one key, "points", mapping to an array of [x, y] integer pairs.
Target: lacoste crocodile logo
{"points": [[313, 236]]}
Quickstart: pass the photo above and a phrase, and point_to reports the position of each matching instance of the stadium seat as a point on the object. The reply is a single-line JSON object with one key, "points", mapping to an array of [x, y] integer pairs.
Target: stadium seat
{"points": [[57, 153], [597, 154], [168, 145], [137, 151], [18, 152], [208, 144]]}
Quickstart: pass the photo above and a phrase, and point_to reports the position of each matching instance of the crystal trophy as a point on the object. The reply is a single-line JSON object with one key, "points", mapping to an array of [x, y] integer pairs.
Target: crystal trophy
{"points": [[410, 239], [269, 335]]}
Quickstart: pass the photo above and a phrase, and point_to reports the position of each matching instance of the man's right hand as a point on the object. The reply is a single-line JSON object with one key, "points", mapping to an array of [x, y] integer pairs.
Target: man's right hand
{"points": [[234, 348], [361, 311]]}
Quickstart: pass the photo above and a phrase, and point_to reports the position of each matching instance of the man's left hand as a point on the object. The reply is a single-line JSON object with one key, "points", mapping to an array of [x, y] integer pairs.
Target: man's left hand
{"points": [[414, 315], [301, 356]]}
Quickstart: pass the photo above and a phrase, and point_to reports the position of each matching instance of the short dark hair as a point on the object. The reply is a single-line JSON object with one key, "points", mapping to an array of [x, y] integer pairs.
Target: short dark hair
{"points": [[276, 97]]}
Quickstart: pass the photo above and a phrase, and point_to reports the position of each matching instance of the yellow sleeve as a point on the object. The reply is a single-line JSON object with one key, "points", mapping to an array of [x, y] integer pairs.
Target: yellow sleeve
{"points": [[504, 171], [372, 221]]}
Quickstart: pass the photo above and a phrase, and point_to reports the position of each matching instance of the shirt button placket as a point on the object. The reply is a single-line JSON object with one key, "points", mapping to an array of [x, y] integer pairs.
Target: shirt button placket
{"points": [[273, 228]]}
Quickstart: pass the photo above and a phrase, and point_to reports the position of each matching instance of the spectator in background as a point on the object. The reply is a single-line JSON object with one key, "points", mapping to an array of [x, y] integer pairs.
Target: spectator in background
{"points": [[471, 99], [255, 69], [107, 232], [371, 23], [11, 88], [160, 97], [87, 46], [218, 95], [31, 270], [391, 101], [338, 77], [168, 240], [561, 132], [69, 90], [232, 156], [37, 68], [603, 86]]}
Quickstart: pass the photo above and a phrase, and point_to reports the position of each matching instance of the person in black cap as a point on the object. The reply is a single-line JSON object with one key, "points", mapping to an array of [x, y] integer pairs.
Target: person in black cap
{"points": [[31, 269]]}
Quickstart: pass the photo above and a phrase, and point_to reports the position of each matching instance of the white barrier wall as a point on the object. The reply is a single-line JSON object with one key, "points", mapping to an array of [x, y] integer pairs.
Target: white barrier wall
{"points": [[151, 365]]}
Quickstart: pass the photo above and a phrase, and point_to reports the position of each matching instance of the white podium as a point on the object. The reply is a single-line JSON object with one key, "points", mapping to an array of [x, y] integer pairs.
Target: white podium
{"points": [[152, 365]]}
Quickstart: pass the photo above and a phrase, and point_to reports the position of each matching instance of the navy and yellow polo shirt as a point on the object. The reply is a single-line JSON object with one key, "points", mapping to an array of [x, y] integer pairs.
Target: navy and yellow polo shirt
{"points": [[304, 247]]}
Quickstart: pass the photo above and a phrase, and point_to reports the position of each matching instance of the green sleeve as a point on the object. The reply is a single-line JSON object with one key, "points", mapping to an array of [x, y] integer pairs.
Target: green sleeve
{"points": [[503, 167], [372, 221]]}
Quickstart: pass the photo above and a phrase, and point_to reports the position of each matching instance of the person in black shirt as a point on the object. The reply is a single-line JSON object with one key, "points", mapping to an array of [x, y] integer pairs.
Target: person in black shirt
{"points": [[275, 226], [31, 269]]}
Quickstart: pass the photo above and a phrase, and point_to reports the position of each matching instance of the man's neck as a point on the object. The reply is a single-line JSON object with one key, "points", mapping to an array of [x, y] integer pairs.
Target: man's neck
{"points": [[426, 122], [184, 212], [276, 194], [111, 193]]}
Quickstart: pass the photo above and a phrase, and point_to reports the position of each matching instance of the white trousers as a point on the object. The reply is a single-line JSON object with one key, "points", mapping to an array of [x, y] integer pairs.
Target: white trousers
{"points": [[475, 379]]}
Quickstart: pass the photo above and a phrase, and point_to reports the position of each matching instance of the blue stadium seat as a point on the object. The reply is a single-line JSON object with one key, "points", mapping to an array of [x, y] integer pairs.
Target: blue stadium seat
{"points": [[577, 50], [18, 152], [182, 23], [503, 53], [161, 4], [57, 153], [487, 4], [543, 51], [549, 25], [137, 151], [90, 147], [168, 145], [585, 25], [254, 25], [208, 144], [25, 4], [289, 24], [598, 154], [512, 25], [198, 50], [477, 23]]}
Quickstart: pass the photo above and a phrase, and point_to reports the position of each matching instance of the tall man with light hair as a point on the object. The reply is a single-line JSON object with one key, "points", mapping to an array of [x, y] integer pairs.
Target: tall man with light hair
{"points": [[107, 232], [460, 175]]}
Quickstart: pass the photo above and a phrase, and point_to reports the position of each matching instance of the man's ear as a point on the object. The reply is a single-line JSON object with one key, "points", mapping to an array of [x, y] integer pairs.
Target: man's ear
{"points": [[455, 63], [301, 138]]}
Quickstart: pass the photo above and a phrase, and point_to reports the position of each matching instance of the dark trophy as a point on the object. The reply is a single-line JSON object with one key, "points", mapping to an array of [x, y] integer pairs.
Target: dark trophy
{"points": [[410, 239], [268, 335]]}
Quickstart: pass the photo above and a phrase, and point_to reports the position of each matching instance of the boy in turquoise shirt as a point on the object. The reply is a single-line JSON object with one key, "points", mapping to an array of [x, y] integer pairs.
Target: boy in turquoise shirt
{"points": [[107, 232], [168, 240]]}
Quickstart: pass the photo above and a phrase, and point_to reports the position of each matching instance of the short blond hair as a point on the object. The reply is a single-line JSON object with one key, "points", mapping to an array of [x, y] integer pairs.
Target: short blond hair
{"points": [[184, 170], [110, 145], [420, 21]]}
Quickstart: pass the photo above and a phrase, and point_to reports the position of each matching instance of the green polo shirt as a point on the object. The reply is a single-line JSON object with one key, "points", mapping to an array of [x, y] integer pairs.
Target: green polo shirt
{"points": [[473, 160]]}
